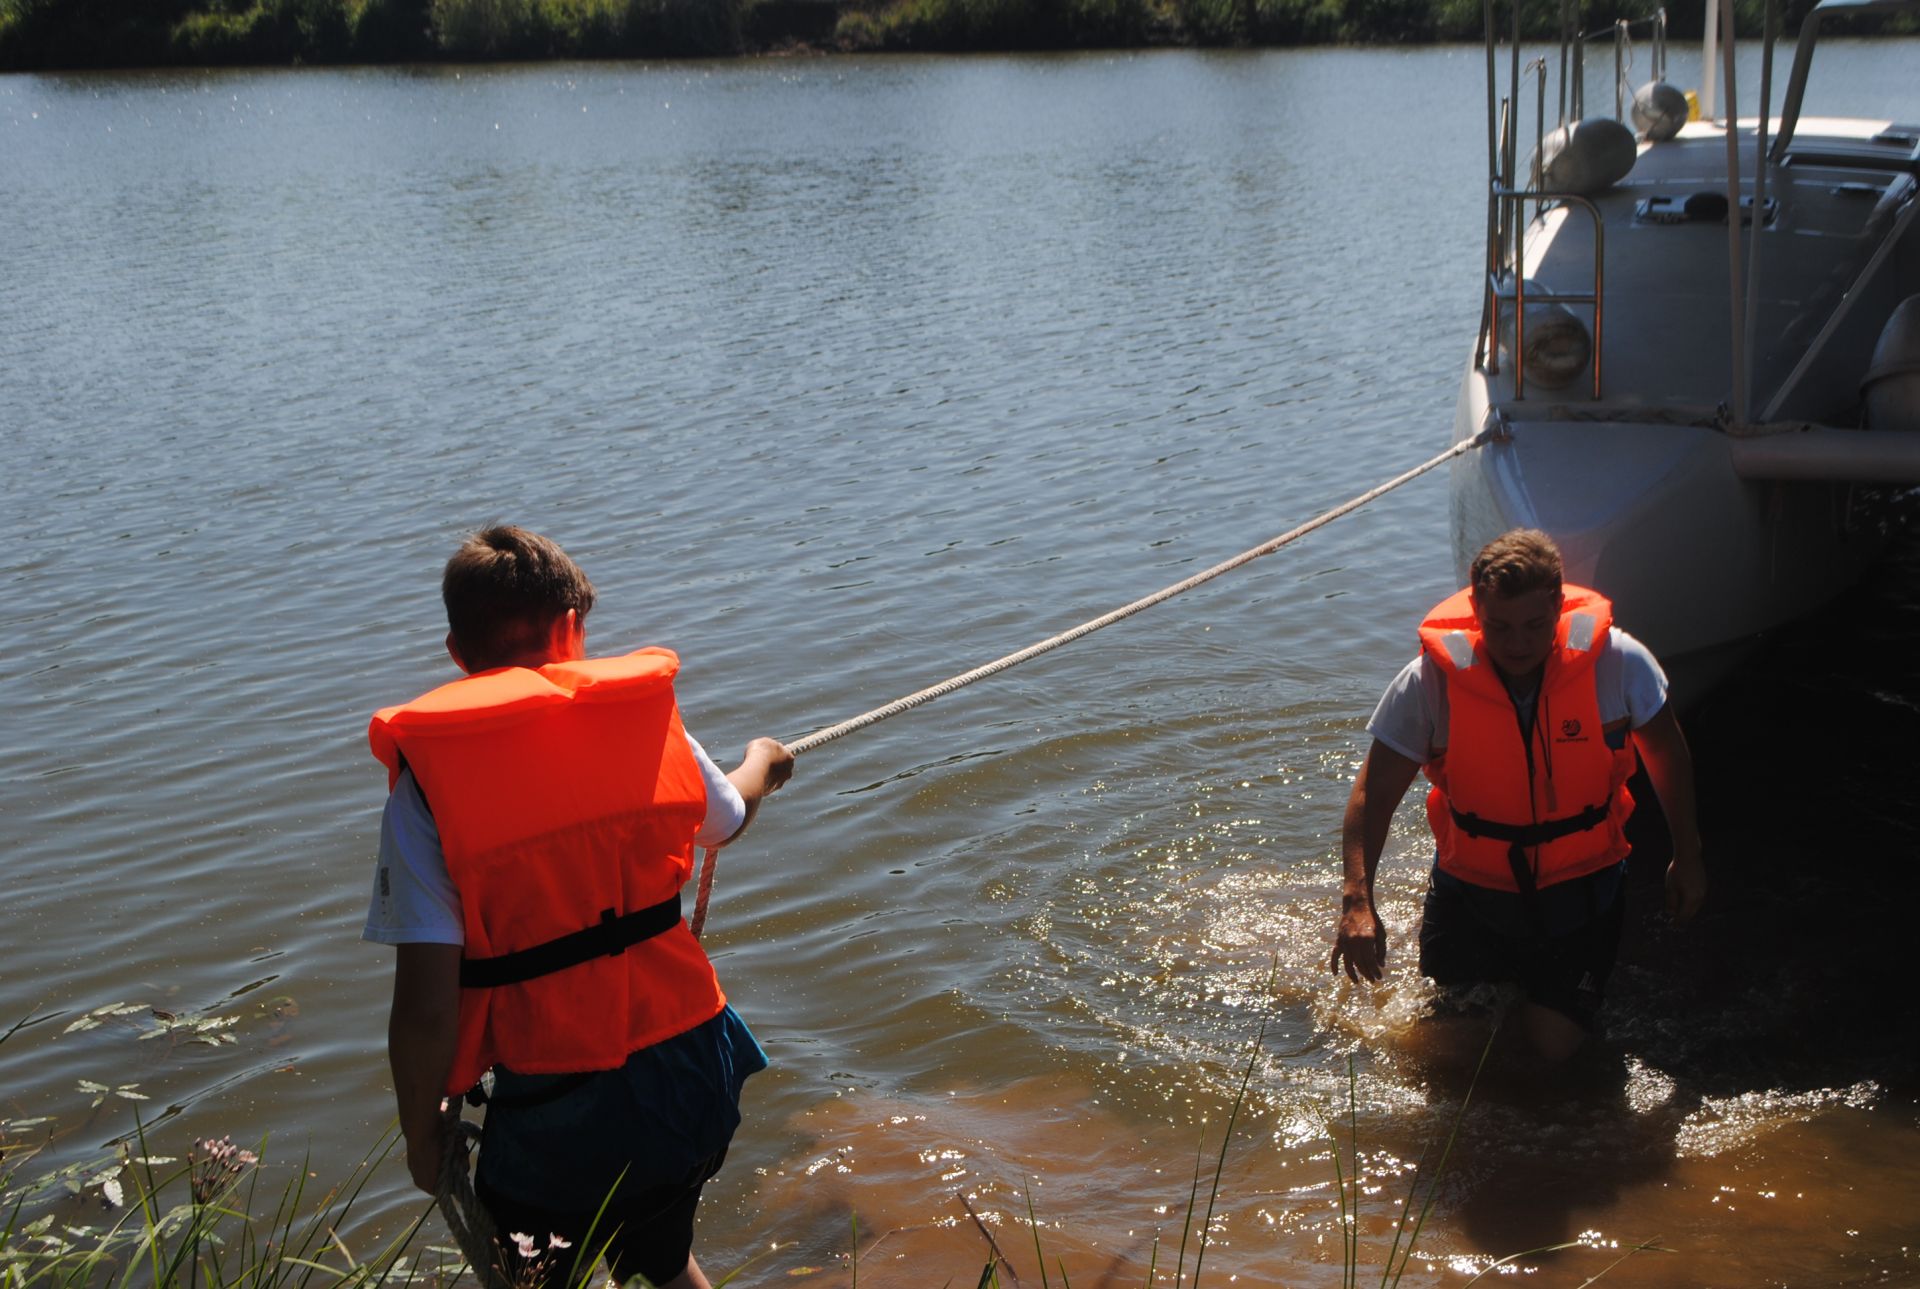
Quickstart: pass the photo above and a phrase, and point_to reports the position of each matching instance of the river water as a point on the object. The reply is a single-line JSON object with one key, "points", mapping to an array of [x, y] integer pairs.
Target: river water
{"points": [[840, 376]]}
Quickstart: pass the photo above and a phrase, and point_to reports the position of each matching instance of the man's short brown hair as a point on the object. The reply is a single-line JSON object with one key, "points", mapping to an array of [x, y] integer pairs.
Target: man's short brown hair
{"points": [[1517, 562], [503, 589]]}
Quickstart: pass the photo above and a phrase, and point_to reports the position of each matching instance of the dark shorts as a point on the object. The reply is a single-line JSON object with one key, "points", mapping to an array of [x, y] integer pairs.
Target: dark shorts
{"points": [[641, 1140], [1470, 935], [644, 1232]]}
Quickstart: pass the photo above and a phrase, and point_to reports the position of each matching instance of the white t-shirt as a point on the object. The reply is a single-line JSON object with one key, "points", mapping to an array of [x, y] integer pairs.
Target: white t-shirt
{"points": [[1412, 715], [414, 901]]}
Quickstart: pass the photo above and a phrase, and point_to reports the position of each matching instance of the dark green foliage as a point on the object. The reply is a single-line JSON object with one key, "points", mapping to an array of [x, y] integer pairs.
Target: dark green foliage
{"points": [[586, 28], [1008, 24], [85, 33], [272, 31], [121, 33], [392, 31]]}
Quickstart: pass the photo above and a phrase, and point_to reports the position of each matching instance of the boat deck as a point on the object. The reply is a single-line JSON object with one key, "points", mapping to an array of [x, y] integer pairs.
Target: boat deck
{"points": [[1844, 194]]}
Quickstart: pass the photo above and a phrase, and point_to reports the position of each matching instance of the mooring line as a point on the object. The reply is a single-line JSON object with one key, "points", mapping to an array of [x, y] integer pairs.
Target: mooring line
{"points": [[965, 678]]}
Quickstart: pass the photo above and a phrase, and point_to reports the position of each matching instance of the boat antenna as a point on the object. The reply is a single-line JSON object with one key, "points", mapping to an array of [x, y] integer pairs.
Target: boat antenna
{"points": [[1736, 295], [1760, 182], [1709, 60]]}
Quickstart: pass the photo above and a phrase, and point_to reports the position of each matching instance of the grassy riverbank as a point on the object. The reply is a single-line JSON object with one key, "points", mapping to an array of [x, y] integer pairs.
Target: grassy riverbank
{"points": [[49, 34]]}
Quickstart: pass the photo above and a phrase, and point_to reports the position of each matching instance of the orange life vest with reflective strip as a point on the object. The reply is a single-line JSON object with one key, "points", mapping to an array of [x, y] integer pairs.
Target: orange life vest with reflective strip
{"points": [[565, 797], [1510, 811]]}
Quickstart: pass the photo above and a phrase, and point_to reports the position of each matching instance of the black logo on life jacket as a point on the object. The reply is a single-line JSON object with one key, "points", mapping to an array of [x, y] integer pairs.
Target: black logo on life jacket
{"points": [[1569, 729]]}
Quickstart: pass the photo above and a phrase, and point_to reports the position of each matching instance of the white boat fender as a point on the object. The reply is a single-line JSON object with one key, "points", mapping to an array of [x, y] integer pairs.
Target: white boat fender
{"points": [[1892, 385], [1597, 153], [1559, 346], [1659, 110]]}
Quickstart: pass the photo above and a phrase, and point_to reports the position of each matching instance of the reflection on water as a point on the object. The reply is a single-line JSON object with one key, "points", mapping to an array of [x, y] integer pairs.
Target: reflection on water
{"points": [[840, 376]]}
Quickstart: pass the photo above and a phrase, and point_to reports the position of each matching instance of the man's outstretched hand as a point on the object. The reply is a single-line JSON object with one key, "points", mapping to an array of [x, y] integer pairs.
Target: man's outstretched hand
{"points": [[1360, 942]]}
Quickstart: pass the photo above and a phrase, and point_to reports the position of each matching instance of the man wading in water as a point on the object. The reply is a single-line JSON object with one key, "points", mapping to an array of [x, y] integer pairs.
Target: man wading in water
{"points": [[1525, 708], [542, 818]]}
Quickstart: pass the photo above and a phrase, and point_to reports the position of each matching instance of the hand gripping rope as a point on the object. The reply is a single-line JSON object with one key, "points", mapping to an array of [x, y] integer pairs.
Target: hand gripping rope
{"points": [[898, 705]]}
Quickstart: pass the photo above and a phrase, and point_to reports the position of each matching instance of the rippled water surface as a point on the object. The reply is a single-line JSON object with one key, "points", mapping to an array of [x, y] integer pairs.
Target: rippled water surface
{"points": [[840, 376]]}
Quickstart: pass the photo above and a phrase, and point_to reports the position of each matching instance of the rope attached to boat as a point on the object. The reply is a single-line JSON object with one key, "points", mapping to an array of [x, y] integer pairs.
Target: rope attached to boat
{"points": [[467, 1218], [1032, 651]]}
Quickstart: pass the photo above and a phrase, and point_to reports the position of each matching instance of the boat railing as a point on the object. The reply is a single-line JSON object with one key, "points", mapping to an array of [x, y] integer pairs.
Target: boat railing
{"points": [[1803, 58], [1509, 281], [1507, 249]]}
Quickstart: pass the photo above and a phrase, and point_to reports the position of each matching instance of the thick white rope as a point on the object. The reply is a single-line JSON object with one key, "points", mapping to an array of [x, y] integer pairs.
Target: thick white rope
{"points": [[469, 1222], [898, 705]]}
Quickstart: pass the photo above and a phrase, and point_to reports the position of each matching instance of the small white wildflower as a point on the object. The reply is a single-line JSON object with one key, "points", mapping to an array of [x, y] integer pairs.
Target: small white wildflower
{"points": [[523, 1242]]}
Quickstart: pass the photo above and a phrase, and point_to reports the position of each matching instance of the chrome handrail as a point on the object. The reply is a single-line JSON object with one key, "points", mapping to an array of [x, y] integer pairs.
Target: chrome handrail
{"points": [[1803, 59], [1514, 200]]}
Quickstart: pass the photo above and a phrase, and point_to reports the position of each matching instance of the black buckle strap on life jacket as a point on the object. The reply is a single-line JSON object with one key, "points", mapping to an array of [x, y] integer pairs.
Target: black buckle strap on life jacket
{"points": [[556, 1086], [1520, 836], [1530, 834], [1529, 888], [610, 937]]}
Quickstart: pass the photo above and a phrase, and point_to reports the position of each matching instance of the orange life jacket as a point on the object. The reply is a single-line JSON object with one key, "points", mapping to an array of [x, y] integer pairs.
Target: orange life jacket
{"points": [[1515, 813], [566, 799]]}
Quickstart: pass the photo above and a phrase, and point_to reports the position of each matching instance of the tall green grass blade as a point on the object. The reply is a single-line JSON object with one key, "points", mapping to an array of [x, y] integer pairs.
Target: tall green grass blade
{"points": [[1033, 1225], [1645, 1246], [1391, 1276], [1193, 1198], [1350, 1222], [31, 1018], [1226, 1140], [1349, 1240], [741, 1270], [1512, 1258]]}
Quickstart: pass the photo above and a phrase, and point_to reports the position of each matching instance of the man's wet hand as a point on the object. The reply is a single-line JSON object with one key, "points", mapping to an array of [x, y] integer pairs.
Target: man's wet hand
{"points": [[1359, 943], [1686, 886]]}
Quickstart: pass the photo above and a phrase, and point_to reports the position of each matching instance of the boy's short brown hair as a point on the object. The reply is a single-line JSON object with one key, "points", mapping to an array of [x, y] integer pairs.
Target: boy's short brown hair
{"points": [[503, 590], [1517, 562]]}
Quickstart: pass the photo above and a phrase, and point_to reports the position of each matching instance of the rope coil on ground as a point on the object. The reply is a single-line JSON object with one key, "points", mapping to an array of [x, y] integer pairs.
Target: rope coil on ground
{"points": [[911, 701]]}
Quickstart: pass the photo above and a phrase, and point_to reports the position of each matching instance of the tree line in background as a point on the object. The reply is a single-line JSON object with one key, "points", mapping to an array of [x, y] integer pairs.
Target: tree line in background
{"points": [[37, 34]]}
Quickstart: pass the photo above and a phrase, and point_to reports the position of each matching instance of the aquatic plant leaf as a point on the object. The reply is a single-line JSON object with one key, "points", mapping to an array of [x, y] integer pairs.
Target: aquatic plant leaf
{"points": [[14, 1125], [85, 1022], [111, 1192], [127, 1090]]}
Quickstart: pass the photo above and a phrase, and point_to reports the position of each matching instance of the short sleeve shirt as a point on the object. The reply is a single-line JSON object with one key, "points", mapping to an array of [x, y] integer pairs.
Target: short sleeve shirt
{"points": [[414, 900], [1412, 715]]}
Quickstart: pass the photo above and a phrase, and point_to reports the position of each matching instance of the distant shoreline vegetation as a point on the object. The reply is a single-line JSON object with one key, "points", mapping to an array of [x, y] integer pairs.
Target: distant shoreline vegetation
{"points": [[37, 35]]}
